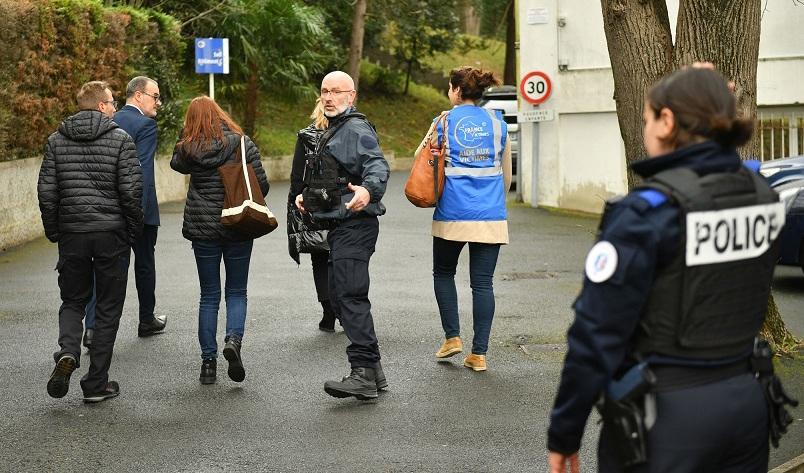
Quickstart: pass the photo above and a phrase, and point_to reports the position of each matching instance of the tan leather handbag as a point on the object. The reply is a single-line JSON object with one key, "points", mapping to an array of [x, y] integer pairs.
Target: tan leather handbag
{"points": [[426, 181]]}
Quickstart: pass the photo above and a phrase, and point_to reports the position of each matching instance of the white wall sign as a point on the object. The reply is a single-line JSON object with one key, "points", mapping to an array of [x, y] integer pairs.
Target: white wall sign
{"points": [[538, 16], [533, 116]]}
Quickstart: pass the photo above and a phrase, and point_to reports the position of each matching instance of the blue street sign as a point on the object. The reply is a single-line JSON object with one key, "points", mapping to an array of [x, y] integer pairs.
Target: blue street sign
{"points": [[212, 55]]}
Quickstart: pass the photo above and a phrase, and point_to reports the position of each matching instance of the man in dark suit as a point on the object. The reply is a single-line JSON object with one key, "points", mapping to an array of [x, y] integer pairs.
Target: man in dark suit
{"points": [[137, 119]]}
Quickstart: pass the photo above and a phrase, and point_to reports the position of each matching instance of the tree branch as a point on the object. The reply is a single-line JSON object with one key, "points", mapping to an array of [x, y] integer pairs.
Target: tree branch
{"points": [[203, 14]]}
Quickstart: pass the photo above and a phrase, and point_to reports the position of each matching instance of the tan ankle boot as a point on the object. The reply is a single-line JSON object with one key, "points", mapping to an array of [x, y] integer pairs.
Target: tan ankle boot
{"points": [[476, 362], [451, 346]]}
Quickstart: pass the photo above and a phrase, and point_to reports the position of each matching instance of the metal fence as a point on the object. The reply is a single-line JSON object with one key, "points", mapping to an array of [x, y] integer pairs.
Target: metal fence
{"points": [[780, 134]]}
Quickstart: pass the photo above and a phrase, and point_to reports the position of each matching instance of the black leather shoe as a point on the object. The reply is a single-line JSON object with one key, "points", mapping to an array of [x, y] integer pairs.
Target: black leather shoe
{"points": [[89, 335], [379, 378], [111, 390], [146, 329], [360, 383], [59, 382], [209, 371], [232, 354]]}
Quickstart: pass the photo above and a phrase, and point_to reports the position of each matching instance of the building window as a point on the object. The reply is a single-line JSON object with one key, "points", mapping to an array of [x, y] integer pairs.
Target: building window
{"points": [[781, 134]]}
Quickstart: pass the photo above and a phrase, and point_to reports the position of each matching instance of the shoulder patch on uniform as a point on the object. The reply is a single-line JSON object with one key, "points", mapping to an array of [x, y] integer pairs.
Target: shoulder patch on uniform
{"points": [[601, 262], [653, 197], [368, 141], [752, 165]]}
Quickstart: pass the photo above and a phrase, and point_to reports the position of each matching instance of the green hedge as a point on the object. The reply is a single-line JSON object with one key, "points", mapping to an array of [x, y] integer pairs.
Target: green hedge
{"points": [[54, 46]]}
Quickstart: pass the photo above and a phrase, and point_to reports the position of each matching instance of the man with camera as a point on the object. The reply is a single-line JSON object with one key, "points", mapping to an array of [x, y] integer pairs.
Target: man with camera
{"points": [[344, 181]]}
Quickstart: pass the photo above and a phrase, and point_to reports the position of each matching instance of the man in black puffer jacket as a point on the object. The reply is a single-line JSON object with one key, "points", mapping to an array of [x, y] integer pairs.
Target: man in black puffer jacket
{"points": [[90, 192]]}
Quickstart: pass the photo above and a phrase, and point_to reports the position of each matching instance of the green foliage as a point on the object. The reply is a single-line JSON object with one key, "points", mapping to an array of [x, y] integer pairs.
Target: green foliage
{"points": [[485, 53], [287, 41], [492, 17], [417, 29], [380, 79], [57, 45]]}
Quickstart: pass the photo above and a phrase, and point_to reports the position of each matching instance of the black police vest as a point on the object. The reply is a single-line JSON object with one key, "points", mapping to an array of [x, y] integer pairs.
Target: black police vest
{"points": [[325, 178], [710, 301]]}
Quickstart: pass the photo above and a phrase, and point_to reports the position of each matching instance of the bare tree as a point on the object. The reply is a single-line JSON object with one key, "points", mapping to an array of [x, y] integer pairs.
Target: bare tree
{"points": [[356, 44], [642, 51]]}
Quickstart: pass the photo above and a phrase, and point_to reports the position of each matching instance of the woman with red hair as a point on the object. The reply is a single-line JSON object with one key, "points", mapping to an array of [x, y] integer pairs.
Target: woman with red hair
{"points": [[209, 139]]}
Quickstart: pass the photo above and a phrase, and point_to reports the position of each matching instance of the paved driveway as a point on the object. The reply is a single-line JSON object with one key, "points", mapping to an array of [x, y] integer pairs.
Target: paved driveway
{"points": [[436, 416]]}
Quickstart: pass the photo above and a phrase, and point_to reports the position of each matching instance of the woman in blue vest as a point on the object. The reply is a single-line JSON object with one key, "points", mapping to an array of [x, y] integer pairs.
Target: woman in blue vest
{"points": [[471, 209]]}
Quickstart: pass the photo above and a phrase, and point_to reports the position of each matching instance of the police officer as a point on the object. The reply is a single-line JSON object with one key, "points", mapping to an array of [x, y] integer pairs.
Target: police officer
{"points": [[345, 180], [676, 291]]}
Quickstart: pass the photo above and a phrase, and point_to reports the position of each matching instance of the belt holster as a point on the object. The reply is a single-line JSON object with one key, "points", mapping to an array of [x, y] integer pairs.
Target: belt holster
{"points": [[624, 423], [775, 396]]}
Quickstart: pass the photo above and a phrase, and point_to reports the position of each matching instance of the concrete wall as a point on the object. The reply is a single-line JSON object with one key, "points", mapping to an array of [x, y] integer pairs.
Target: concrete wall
{"points": [[578, 159], [20, 220]]}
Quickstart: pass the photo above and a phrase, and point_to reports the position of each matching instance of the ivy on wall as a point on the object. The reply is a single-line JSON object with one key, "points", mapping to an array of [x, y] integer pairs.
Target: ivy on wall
{"points": [[55, 46]]}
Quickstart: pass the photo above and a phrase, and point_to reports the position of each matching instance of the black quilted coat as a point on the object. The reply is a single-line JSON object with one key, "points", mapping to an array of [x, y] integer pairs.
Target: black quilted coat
{"points": [[90, 180], [202, 211], [304, 235]]}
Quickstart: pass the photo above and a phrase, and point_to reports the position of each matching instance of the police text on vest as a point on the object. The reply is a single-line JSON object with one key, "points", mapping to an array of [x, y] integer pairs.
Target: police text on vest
{"points": [[719, 236]]}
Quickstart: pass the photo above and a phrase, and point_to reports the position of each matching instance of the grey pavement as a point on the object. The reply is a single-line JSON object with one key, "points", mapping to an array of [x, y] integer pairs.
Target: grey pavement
{"points": [[435, 417]]}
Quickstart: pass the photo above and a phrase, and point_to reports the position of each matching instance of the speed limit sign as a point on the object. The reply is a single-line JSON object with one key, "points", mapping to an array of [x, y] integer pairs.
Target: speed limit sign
{"points": [[535, 87]]}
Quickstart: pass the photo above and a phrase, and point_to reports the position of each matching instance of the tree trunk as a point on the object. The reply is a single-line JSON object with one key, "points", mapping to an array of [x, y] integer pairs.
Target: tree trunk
{"points": [[726, 34], [252, 91], [356, 44], [509, 72], [470, 23], [641, 52], [410, 66]]}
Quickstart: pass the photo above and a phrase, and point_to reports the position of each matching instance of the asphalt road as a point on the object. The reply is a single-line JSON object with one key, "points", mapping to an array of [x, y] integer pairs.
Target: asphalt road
{"points": [[435, 417]]}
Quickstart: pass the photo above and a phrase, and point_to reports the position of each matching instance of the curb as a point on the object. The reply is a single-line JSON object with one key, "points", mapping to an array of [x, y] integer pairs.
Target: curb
{"points": [[795, 465]]}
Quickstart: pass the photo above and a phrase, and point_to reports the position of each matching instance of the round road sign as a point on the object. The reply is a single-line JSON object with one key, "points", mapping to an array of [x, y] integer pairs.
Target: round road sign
{"points": [[535, 87]]}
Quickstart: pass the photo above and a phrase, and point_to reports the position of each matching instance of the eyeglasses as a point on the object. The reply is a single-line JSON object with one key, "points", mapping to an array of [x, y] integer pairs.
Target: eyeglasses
{"points": [[153, 96], [327, 92], [113, 102]]}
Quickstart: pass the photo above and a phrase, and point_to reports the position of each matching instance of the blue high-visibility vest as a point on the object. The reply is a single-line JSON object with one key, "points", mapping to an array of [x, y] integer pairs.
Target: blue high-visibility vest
{"points": [[473, 184]]}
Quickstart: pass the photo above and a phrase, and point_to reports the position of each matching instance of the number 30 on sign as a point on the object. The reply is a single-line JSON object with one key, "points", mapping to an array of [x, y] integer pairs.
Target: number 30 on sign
{"points": [[535, 87]]}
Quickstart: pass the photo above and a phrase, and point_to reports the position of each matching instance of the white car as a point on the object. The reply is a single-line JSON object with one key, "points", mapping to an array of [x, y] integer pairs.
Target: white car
{"points": [[504, 99]]}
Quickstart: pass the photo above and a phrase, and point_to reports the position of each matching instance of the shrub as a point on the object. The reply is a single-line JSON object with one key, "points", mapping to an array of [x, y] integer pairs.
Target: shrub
{"points": [[57, 45]]}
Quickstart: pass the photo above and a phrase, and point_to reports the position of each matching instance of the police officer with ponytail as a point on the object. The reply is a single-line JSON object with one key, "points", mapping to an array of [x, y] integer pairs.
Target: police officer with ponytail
{"points": [[675, 293], [344, 181]]}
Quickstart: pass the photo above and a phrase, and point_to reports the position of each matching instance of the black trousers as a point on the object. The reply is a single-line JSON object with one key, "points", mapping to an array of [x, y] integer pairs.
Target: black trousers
{"points": [[145, 271], [351, 245], [719, 427], [321, 275], [82, 256]]}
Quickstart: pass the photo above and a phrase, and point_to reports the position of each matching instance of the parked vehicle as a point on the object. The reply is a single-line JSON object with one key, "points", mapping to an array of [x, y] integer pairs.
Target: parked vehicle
{"points": [[504, 99], [786, 176]]}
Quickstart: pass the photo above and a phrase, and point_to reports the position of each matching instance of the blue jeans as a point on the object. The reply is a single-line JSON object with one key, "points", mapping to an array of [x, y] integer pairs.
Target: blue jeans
{"points": [[236, 258], [482, 261]]}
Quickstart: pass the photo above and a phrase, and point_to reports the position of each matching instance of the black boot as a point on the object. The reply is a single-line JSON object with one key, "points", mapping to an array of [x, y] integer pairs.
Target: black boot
{"points": [[327, 323], [361, 383], [209, 371], [379, 378], [232, 354], [89, 336]]}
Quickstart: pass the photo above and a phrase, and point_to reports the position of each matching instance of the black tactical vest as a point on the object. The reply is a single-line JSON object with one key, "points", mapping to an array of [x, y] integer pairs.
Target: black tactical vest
{"points": [[325, 179], [710, 301]]}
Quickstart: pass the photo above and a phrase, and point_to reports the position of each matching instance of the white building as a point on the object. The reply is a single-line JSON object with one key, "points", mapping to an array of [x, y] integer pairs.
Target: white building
{"points": [[579, 155]]}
